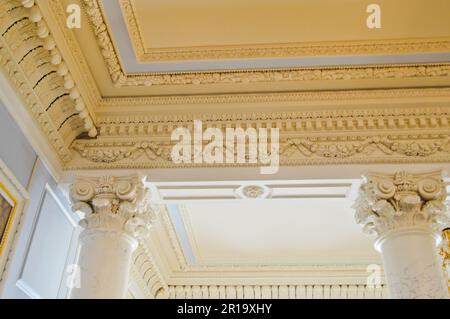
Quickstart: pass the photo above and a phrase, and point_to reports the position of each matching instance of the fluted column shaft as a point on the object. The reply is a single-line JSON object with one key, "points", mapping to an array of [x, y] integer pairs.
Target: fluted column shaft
{"points": [[116, 214], [407, 212]]}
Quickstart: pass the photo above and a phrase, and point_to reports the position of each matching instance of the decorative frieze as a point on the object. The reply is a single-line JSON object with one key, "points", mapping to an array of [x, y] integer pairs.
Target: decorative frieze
{"points": [[328, 149]]}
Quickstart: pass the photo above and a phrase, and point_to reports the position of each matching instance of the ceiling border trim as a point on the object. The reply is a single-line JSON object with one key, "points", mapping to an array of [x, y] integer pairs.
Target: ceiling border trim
{"points": [[16, 48], [144, 54], [356, 97], [122, 79], [312, 291]]}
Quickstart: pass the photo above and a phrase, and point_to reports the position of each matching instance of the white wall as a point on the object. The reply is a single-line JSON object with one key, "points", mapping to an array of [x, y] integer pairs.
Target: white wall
{"points": [[46, 240]]}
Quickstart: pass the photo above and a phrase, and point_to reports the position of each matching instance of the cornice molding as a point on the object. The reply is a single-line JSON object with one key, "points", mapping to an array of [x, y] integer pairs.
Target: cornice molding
{"points": [[49, 44], [31, 60], [121, 79], [395, 135], [27, 65], [55, 16], [144, 54]]}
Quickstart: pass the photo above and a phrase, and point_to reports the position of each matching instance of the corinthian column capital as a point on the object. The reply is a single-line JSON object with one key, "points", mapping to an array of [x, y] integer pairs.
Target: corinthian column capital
{"points": [[113, 203], [389, 202]]}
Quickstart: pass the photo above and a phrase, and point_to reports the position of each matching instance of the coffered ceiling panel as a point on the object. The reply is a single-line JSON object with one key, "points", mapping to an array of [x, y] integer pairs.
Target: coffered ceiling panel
{"points": [[202, 29], [147, 48]]}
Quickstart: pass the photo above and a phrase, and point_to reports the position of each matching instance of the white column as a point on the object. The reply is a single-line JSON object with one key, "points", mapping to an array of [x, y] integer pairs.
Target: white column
{"points": [[407, 213], [117, 213]]}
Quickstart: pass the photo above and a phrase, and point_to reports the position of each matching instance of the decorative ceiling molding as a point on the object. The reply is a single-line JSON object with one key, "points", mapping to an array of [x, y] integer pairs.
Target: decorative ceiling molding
{"points": [[331, 127], [144, 54], [48, 43], [330, 149], [146, 274], [54, 14], [320, 291], [121, 79], [396, 135], [28, 65], [335, 98], [339, 118]]}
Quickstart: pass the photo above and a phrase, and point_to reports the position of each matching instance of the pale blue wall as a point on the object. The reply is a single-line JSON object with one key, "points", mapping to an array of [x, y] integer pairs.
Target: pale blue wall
{"points": [[15, 150], [30, 254]]}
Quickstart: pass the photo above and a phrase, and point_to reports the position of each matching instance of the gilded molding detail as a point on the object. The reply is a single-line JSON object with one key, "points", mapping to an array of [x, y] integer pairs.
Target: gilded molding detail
{"points": [[402, 200], [113, 203], [120, 78]]}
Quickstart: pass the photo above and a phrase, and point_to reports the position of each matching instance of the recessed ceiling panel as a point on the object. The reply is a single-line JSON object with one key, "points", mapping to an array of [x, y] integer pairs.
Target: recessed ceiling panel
{"points": [[273, 232], [205, 29]]}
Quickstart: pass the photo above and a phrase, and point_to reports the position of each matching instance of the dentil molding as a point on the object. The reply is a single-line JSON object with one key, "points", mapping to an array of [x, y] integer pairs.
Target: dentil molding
{"points": [[274, 292]]}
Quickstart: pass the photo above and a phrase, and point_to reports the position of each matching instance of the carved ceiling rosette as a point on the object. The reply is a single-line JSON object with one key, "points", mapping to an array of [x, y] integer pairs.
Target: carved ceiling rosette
{"points": [[402, 200], [114, 203]]}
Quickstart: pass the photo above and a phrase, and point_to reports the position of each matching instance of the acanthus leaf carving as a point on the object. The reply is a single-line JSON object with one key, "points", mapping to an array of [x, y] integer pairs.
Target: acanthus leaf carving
{"points": [[114, 203], [402, 200]]}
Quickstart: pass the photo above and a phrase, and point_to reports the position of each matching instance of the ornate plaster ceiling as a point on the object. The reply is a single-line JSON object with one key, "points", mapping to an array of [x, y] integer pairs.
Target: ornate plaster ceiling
{"points": [[396, 112], [334, 102], [315, 53], [345, 99]]}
